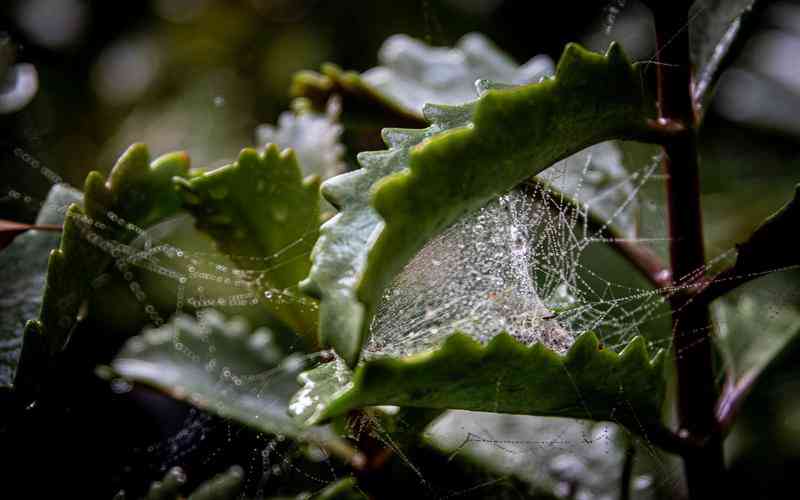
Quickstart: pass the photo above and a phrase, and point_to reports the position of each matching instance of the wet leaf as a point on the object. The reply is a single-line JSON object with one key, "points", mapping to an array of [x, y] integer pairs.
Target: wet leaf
{"points": [[137, 194], [23, 266], [402, 197], [549, 454], [504, 376], [412, 74], [222, 367], [262, 213]]}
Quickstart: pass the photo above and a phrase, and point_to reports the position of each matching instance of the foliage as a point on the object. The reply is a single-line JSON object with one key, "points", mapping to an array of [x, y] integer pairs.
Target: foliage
{"points": [[479, 127]]}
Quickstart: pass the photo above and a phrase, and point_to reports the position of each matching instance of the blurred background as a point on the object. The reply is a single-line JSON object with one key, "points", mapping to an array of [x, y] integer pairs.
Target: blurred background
{"points": [[81, 80]]}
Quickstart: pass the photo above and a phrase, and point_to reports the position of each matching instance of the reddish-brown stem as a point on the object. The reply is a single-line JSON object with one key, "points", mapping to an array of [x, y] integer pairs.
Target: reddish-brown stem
{"points": [[691, 322]]}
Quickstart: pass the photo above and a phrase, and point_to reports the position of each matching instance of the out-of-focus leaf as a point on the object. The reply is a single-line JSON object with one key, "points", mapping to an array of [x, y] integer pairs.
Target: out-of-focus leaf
{"points": [[404, 196], [225, 486], [220, 366], [588, 382], [552, 455], [756, 322], [413, 74], [345, 489], [168, 488], [766, 248], [313, 136], [23, 266], [263, 214], [713, 28]]}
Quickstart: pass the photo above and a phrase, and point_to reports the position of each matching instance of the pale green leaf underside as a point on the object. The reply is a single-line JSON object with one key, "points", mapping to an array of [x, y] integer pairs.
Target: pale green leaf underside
{"points": [[541, 451], [220, 366], [470, 154], [23, 268], [411, 74], [504, 376], [313, 136], [262, 213], [137, 194]]}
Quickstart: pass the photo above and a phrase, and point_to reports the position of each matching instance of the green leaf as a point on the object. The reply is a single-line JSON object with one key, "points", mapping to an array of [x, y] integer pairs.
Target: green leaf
{"points": [[262, 213], [220, 366], [713, 30], [756, 323], [472, 153], [766, 248], [546, 453], [227, 485], [344, 489], [588, 382], [412, 74], [23, 266], [168, 488], [137, 194]]}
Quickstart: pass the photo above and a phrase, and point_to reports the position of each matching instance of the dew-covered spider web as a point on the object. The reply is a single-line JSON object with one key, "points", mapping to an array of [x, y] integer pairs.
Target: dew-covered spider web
{"points": [[518, 265]]}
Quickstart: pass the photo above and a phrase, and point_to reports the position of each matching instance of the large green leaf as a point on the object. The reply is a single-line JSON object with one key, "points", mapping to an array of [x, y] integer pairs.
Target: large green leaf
{"points": [[412, 74], [220, 366], [23, 267], [137, 194], [588, 382], [262, 213], [471, 153]]}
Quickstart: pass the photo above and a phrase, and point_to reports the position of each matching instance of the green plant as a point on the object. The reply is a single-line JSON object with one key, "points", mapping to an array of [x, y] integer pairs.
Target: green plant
{"points": [[466, 168]]}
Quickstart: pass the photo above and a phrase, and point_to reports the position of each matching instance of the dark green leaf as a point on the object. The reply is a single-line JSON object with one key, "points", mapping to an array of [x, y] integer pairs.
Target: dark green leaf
{"points": [[220, 366], [23, 266], [137, 194], [263, 214]]}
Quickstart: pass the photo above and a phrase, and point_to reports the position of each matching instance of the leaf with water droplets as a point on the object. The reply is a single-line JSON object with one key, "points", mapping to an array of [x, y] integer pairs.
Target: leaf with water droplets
{"points": [[137, 194], [23, 266], [549, 454], [470, 154], [262, 213], [412, 74], [220, 366], [503, 376]]}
